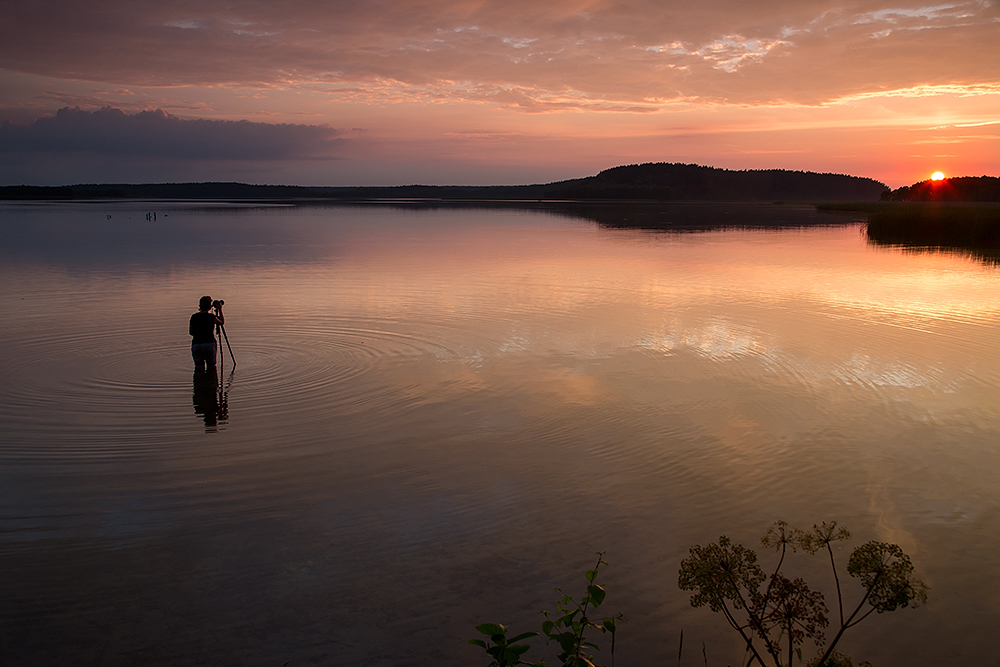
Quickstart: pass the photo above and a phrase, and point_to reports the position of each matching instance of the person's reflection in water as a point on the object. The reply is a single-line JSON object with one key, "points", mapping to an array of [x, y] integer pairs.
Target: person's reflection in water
{"points": [[210, 398]]}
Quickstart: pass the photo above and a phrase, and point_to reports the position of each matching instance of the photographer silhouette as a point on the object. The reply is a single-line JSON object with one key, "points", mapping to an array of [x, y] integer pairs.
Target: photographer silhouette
{"points": [[202, 329]]}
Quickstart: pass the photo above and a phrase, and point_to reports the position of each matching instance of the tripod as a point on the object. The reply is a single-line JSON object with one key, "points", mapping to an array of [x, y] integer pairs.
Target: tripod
{"points": [[222, 328], [223, 405]]}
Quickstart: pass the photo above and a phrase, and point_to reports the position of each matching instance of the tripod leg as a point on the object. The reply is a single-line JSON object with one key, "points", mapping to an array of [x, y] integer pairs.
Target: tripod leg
{"points": [[230, 347], [222, 359]]}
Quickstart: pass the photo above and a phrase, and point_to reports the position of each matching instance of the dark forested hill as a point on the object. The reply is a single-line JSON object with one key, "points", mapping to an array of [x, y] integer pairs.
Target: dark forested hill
{"points": [[966, 188], [652, 181], [671, 181]]}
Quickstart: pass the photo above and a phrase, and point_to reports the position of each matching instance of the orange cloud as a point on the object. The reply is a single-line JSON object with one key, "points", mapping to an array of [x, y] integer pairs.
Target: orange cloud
{"points": [[626, 52]]}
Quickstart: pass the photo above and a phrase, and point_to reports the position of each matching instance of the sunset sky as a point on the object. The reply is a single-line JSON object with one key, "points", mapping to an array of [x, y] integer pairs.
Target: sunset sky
{"points": [[484, 92]]}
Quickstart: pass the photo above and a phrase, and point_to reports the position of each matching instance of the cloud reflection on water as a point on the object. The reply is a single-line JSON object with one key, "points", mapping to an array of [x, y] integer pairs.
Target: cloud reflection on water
{"points": [[435, 406]]}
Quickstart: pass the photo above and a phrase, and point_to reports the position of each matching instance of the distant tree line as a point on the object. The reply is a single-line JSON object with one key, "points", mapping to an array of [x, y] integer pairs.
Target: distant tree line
{"points": [[966, 188], [651, 181]]}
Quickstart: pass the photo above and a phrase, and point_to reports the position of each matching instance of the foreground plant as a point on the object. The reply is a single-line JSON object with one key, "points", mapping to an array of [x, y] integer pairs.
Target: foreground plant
{"points": [[775, 621], [569, 627], [505, 652]]}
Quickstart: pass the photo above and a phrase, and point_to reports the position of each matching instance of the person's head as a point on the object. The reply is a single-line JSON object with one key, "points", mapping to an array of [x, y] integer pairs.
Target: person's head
{"points": [[204, 303]]}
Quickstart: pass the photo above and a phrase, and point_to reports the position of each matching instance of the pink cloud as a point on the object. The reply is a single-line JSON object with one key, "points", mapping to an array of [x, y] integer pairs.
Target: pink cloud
{"points": [[625, 51]]}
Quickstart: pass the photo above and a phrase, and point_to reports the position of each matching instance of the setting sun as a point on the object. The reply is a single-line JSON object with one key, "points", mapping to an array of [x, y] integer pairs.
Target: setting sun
{"points": [[937, 176]]}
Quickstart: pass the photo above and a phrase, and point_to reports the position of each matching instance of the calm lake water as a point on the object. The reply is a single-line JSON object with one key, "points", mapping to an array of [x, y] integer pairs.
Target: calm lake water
{"points": [[440, 414]]}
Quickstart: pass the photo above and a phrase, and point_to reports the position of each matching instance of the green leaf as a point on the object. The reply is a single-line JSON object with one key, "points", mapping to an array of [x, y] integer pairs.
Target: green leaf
{"points": [[513, 654], [591, 575], [547, 627], [523, 636], [477, 642], [568, 618], [491, 629], [597, 594], [611, 625], [567, 640]]}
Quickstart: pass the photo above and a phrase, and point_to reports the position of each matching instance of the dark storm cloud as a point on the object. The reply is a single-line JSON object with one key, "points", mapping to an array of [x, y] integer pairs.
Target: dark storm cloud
{"points": [[110, 131]]}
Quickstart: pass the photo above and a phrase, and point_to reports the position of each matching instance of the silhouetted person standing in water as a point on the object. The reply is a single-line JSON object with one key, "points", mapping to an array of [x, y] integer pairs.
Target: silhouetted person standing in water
{"points": [[202, 330]]}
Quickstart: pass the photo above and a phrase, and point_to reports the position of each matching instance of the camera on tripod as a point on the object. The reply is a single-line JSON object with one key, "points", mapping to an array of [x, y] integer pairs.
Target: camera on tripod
{"points": [[218, 303]]}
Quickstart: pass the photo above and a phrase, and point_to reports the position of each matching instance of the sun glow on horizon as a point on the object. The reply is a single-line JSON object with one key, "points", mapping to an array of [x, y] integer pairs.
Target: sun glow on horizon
{"points": [[937, 176]]}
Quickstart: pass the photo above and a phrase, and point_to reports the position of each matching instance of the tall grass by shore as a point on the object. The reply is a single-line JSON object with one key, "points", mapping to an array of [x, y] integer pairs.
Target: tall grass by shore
{"points": [[972, 228]]}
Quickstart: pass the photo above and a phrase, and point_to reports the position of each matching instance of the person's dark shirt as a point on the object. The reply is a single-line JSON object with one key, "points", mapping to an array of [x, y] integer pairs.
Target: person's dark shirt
{"points": [[202, 327]]}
